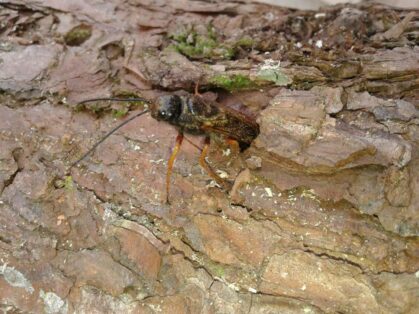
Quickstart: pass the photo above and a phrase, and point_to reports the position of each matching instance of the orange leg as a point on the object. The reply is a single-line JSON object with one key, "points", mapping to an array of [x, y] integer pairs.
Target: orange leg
{"points": [[234, 146], [197, 89], [224, 184], [172, 159]]}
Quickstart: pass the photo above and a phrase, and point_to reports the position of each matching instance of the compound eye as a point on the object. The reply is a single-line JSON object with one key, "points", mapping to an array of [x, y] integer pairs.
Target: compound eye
{"points": [[166, 114], [167, 108]]}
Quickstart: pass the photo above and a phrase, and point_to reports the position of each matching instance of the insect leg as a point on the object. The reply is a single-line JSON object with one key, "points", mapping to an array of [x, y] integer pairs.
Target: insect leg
{"points": [[234, 146], [172, 159], [197, 89], [224, 184]]}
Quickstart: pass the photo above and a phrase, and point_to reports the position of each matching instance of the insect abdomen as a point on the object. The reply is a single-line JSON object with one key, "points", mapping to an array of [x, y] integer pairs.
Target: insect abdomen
{"points": [[199, 116]]}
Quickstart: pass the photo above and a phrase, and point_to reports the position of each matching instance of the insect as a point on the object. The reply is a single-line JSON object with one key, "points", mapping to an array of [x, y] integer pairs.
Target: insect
{"points": [[193, 114]]}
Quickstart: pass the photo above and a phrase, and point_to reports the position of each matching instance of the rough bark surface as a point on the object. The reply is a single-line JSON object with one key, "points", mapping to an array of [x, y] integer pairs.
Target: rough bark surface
{"points": [[323, 216]]}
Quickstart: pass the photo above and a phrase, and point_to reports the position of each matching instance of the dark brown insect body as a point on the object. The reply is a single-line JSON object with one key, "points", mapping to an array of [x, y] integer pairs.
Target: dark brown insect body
{"points": [[192, 114], [195, 115]]}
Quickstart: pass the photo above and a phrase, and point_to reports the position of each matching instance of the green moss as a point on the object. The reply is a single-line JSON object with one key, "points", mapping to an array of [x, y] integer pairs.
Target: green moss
{"points": [[245, 42], [212, 33], [78, 35], [197, 46], [218, 270], [204, 47], [232, 82], [119, 113], [271, 71], [67, 183], [274, 75]]}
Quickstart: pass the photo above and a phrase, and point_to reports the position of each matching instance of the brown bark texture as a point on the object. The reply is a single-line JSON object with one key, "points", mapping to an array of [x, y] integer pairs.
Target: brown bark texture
{"points": [[323, 216]]}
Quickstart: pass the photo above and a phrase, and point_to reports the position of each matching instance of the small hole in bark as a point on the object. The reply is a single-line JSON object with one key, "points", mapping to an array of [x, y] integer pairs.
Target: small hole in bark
{"points": [[113, 51]]}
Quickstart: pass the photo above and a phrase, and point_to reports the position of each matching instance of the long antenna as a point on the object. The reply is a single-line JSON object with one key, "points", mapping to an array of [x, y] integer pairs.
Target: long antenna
{"points": [[115, 128], [114, 99]]}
